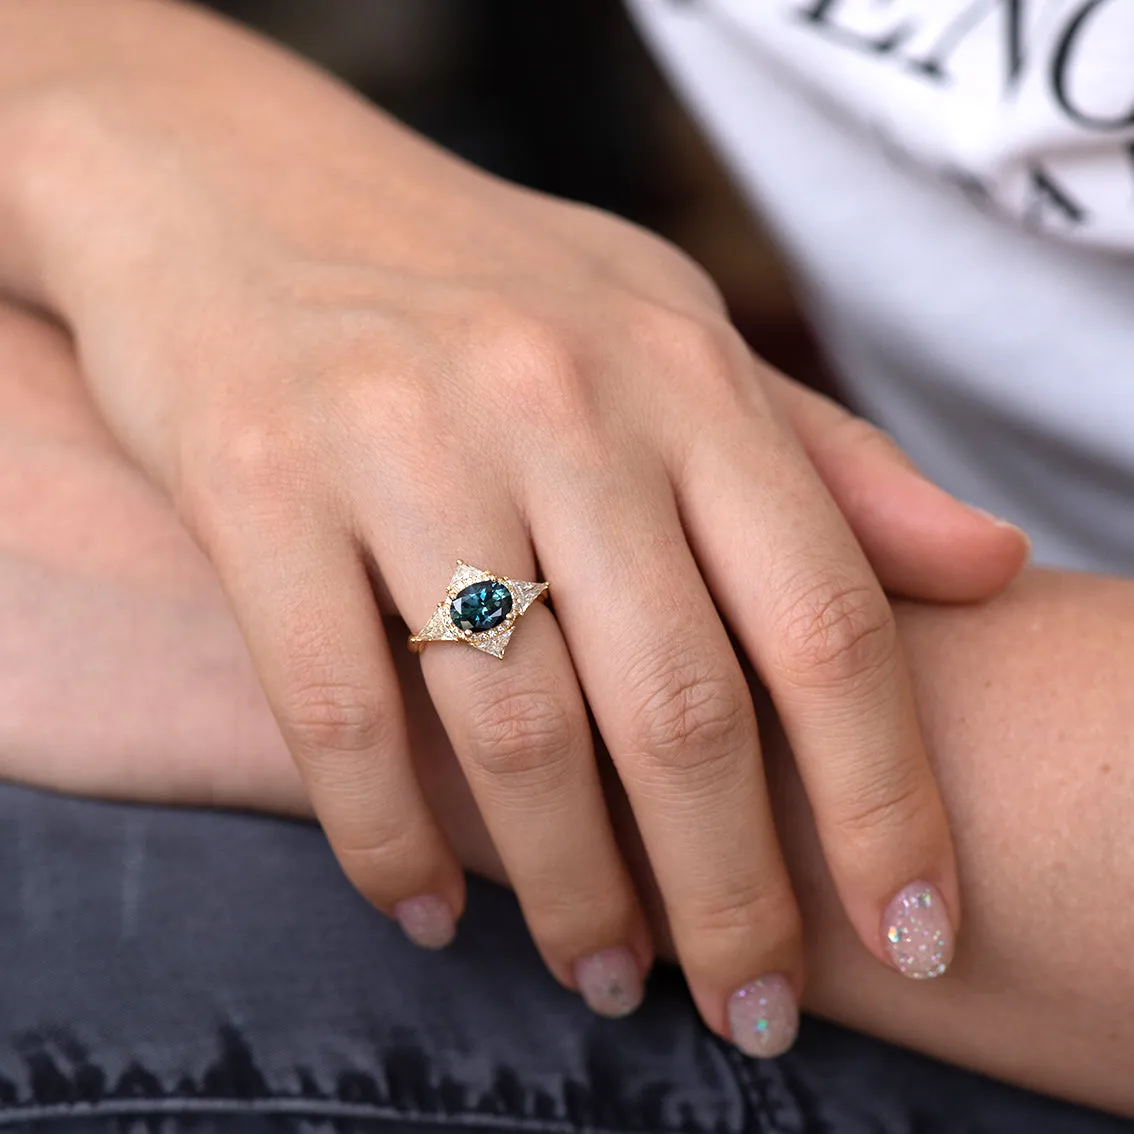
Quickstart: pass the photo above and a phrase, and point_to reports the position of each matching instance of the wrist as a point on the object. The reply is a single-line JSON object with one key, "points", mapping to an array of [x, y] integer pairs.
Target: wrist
{"points": [[64, 186], [97, 100]]}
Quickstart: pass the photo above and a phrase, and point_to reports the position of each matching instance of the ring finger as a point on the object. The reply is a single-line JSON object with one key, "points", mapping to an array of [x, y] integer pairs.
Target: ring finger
{"points": [[519, 727]]}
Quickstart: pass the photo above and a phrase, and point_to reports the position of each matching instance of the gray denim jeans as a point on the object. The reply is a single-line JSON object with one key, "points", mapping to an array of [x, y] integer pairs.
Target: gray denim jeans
{"points": [[168, 970]]}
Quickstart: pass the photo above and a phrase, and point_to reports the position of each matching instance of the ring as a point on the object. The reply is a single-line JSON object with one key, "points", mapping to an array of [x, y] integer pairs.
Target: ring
{"points": [[479, 609]]}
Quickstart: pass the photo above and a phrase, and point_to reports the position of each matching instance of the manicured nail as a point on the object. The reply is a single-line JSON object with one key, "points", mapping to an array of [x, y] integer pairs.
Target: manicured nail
{"points": [[1000, 522], [764, 1017], [427, 921], [917, 932], [610, 982]]}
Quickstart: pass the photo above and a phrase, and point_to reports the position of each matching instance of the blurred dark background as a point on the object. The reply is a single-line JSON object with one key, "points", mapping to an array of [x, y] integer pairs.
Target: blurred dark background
{"points": [[562, 96]]}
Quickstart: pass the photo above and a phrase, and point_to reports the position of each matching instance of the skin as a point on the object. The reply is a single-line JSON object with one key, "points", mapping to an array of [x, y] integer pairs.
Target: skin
{"points": [[1024, 702], [345, 359]]}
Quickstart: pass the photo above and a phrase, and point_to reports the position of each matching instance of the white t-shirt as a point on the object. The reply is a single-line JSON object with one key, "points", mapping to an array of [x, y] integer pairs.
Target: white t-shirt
{"points": [[953, 181]]}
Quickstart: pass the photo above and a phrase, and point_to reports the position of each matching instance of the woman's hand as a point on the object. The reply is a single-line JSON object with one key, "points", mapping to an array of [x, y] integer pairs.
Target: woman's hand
{"points": [[349, 359], [122, 674]]}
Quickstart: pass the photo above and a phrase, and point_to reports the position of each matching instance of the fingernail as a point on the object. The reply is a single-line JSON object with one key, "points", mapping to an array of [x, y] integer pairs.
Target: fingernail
{"points": [[1000, 522], [917, 932], [764, 1017], [427, 921], [610, 982]]}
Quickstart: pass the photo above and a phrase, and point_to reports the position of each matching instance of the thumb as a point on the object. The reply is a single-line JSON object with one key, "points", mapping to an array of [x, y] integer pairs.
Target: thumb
{"points": [[922, 542]]}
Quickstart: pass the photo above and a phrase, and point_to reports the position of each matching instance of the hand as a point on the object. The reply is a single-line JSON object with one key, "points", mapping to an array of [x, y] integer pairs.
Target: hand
{"points": [[107, 602], [348, 360]]}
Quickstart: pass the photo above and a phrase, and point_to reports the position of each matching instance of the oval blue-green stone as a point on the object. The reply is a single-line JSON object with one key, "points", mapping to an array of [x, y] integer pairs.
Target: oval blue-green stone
{"points": [[481, 606]]}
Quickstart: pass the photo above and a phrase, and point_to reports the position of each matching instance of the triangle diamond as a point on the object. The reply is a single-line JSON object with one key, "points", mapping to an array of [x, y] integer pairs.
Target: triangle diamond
{"points": [[526, 593], [494, 646]]}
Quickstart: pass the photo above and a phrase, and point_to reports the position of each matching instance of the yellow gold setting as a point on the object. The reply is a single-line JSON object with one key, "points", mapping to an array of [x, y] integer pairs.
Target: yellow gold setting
{"points": [[441, 628]]}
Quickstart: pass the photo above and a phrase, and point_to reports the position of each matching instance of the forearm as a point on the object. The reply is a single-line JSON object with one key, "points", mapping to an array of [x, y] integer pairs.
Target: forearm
{"points": [[114, 113], [61, 63]]}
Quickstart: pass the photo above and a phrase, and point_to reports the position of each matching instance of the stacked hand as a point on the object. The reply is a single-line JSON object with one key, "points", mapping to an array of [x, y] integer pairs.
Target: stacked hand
{"points": [[349, 360]]}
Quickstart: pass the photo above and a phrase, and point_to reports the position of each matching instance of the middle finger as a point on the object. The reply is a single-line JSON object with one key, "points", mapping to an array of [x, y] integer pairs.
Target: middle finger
{"points": [[675, 711]]}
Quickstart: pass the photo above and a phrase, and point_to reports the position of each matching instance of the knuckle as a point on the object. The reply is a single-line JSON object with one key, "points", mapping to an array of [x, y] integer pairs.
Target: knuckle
{"points": [[709, 349], [539, 368], [837, 633], [258, 454], [329, 718], [745, 904], [724, 923], [674, 264], [850, 433], [519, 728], [242, 470], [563, 915], [690, 714], [376, 860], [701, 280], [878, 808]]}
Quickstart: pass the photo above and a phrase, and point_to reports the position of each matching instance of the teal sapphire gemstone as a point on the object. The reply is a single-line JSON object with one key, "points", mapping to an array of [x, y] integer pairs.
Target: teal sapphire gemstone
{"points": [[481, 606]]}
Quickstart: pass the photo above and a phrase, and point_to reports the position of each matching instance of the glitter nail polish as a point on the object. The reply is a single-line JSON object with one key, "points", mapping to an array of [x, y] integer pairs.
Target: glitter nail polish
{"points": [[610, 982], [427, 921], [763, 1016], [917, 932]]}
